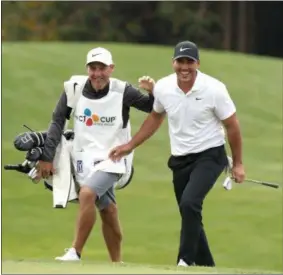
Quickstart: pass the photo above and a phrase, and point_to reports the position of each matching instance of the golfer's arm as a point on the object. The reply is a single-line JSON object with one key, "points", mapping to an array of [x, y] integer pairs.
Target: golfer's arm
{"points": [[55, 129], [232, 127], [148, 128]]}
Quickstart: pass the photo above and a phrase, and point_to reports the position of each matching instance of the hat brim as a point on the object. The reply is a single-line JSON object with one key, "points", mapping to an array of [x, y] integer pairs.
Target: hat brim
{"points": [[186, 56], [107, 63]]}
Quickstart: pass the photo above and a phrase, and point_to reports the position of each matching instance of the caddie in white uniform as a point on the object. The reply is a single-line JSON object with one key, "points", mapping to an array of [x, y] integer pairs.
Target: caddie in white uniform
{"points": [[101, 122]]}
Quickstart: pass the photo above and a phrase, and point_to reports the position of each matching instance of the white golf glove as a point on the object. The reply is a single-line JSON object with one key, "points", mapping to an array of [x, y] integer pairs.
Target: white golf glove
{"points": [[227, 184]]}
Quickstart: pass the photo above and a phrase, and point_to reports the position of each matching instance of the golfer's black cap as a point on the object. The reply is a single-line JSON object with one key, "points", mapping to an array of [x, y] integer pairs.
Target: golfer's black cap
{"points": [[186, 49]]}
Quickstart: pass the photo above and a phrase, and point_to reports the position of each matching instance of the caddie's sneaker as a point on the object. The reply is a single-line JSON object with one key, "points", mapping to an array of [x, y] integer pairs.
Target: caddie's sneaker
{"points": [[70, 255]]}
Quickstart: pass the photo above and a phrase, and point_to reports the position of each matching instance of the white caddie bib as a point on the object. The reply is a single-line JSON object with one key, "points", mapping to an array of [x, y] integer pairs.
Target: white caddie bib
{"points": [[98, 127]]}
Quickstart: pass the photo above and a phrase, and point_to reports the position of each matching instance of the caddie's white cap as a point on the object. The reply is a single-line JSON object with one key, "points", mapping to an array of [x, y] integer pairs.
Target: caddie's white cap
{"points": [[99, 55]]}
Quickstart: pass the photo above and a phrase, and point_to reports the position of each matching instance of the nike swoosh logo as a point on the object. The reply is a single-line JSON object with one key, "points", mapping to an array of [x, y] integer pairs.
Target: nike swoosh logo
{"points": [[198, 98], [75, 84], [93, 55], [183, 49]]}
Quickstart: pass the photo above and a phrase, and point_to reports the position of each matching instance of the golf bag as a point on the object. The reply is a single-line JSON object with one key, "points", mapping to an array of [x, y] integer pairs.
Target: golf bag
{"points": [[32, 143]]}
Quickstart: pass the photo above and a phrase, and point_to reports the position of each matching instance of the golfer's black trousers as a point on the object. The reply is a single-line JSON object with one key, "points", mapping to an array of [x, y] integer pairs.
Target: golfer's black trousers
{"points": [[193, 177]]}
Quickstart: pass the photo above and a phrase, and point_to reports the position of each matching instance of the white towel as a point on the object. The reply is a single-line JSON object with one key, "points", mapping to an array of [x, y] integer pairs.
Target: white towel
{"points": [[107, 166], [62, 179]]}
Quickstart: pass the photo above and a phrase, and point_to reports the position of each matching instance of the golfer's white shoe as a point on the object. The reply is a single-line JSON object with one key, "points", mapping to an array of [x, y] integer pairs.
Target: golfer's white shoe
{"points": [[70, 255], [182, 263]]}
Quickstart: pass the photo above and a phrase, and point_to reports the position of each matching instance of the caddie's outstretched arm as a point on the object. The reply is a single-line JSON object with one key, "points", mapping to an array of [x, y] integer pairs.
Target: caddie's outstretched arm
{"points": [[135, 98]]}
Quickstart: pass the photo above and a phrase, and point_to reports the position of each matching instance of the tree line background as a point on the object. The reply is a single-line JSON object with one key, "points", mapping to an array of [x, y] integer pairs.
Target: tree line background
{"points": [[250, 27]]}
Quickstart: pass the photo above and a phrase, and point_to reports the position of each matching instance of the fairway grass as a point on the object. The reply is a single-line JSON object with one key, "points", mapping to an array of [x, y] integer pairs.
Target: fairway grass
{"points": [[45, 267], [244, 225]]}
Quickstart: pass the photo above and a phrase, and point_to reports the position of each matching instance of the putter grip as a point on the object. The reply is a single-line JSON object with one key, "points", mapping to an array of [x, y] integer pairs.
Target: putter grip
{"points": [[17, 167], [273, 185], [12, 166]]}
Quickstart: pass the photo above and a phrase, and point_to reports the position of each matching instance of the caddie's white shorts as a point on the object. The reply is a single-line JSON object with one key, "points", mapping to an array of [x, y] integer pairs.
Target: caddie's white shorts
{"points": [[102, 183]]}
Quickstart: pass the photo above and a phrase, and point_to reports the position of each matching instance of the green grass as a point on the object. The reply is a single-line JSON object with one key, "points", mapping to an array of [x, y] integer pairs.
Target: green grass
{"points": [[244, 226], [48, 267]]}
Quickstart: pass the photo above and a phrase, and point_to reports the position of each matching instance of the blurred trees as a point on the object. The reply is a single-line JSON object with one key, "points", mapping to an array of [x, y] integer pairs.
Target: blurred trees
{"points": [[219, 25]]}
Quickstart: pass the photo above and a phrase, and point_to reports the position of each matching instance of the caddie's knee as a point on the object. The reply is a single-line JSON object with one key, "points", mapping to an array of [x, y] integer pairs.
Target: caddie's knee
{"points": [[87, 195], [110, 210]]}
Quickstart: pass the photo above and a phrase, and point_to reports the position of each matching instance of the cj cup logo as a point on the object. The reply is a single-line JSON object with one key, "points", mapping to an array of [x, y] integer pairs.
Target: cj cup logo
{"points": [[90, 119]]}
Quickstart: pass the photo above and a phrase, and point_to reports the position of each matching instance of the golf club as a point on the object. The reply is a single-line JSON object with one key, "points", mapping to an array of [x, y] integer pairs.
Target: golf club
{"points": [[269, 184]]}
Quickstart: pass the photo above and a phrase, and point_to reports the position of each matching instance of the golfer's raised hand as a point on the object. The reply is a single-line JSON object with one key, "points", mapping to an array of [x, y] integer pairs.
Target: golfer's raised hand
{"points": [[120, 151], [44, 169], [238, 173], [147, 83]]}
